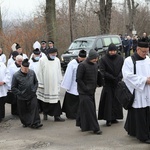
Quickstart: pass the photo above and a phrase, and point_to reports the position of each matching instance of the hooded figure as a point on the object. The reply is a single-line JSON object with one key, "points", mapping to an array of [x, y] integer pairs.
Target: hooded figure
{"points": [[110, 67]]}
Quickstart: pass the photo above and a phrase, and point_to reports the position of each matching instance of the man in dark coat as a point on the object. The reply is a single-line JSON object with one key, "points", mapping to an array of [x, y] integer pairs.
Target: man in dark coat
{"points": [[86, 84], [110, 67], [24, 86], [43, 47]]}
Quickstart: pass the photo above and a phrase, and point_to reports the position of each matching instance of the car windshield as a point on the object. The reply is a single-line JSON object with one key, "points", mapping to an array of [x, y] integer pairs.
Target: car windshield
{"points": [[109, 40], [81, 44]]}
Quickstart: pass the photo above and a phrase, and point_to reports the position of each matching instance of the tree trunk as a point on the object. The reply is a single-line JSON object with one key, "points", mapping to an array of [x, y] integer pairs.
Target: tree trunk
{"points": [[50, 14], [72, 18], [105, 16], [132, 12]]}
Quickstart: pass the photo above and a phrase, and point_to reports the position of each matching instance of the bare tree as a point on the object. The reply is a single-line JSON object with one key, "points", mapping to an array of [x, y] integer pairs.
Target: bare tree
{"points": [[72, 18], [50, 15], [132, 6], [104, 15]]}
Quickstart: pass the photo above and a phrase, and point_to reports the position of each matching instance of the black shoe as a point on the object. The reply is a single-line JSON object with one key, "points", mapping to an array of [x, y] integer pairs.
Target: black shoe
{"points": [[114, 121], [45, 117], [59, 119], [97, 132], [36, 126], [146, 141], [24, 126], [108, 123]]}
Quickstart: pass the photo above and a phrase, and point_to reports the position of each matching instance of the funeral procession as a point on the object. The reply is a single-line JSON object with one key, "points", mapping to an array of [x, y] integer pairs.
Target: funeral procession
{"points": [[75, 75]]}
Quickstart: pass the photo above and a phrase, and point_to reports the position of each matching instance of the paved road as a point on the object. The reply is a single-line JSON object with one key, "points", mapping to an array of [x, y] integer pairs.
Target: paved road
{"points": [[64, 135]]}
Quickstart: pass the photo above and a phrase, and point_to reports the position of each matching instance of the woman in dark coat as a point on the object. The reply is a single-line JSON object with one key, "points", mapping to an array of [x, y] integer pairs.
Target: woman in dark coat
{"points": [[110, 67]]}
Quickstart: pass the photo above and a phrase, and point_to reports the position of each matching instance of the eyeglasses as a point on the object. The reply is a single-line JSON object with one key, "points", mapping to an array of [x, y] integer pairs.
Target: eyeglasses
{"points": [[144, 52]]}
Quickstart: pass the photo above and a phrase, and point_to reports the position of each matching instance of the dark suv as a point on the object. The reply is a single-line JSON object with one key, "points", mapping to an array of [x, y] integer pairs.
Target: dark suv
{"points": [[99, 43]]}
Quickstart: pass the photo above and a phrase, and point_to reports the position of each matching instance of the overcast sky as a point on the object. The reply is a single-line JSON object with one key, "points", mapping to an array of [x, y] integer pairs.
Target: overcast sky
{"points": [[12, 9], [15, 9]]}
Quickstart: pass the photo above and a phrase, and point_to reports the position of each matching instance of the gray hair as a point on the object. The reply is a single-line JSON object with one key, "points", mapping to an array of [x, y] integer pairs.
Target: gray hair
{"points": [[19, 57]]}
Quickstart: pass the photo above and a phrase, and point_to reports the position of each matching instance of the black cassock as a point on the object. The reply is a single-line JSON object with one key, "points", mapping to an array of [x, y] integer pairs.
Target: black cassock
{"points": [[24, 86], [109, 107], [86, 118], [86, 84], [70, 105], [138, 123]]}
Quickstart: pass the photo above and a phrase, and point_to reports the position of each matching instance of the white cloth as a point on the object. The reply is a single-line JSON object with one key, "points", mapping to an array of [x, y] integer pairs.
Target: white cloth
{"points": [[12, 69], [4, 77], [49, 77], [3, 58], [11, 61], [69, 81], [138, 81], [34, 66]]}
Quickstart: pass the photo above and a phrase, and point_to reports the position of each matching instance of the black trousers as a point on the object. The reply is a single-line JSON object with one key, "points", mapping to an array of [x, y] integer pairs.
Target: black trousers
{"points": [[28, 111], [52, 109], [138, 123], [2, 107]]}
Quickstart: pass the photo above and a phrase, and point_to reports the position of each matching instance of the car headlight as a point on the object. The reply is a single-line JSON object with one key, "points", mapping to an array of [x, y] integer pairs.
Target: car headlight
{"points": [[62, 58]]}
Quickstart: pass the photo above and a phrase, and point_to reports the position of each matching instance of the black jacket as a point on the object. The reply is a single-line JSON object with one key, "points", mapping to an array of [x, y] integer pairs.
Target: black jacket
{"points": [[110, 68], [24, 85], [87, 77]]}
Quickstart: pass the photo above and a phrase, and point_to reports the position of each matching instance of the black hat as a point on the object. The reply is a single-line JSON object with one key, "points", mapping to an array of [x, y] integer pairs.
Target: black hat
{"points": [[36, 51], [112, 47], [93, 54], [143, 44], [82, 53], [14, 54], [17, 46], [52, 50], [25, 62], [51, 42], [43, 42]]}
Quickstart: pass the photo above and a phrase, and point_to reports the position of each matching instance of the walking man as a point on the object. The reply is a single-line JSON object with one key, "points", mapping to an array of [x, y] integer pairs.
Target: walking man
{"points": [[24, 86], [86, 83]]}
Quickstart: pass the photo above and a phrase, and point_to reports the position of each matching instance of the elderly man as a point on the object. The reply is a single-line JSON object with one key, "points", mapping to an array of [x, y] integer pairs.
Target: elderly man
{"points": [[138, 117], [24, 86]]}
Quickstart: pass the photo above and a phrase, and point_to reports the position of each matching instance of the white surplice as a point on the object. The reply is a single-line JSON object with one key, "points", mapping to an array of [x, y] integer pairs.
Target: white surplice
{"points": [[3, 58], [138, 81], [12, 69], [69, 81], [4, 77], [49, 77]]}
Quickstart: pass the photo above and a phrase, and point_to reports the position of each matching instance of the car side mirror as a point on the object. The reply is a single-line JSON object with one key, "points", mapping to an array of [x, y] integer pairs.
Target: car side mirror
{"points": [[96, 48]]}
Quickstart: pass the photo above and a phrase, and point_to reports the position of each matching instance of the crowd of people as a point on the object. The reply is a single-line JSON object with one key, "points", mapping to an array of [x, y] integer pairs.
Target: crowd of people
{"points": [[130, 43], [32, 86]]}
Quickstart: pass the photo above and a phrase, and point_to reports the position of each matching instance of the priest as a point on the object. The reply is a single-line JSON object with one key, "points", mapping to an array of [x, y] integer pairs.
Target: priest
{"points": [[71, 99], [138, 118], [49, 76]]}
